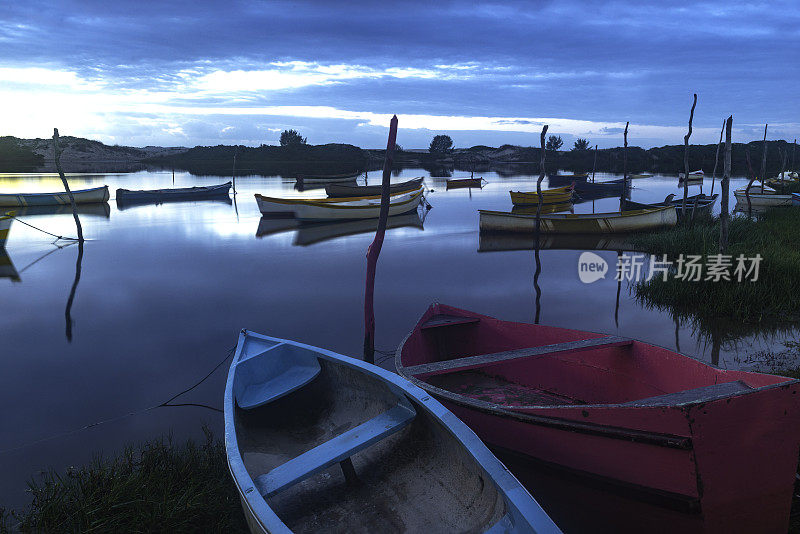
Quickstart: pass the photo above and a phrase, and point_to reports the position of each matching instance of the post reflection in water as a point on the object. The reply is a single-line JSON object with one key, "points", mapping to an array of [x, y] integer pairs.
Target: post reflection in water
{"points": [[71, 299]]}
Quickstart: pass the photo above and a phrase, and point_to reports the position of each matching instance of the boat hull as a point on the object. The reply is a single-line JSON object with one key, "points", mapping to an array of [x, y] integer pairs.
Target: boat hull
{"points": [[653, 423], [301, 178], [272, 206], [339, 191], [601, 223], [81, 196], [465, 182], [551, 196], [126, 196], [702, 205], [317, 211], [763, 200]]}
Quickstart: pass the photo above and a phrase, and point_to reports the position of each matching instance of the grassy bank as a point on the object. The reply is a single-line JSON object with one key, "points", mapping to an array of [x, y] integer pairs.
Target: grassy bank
{"points": [[156, 487], [774, 296]]}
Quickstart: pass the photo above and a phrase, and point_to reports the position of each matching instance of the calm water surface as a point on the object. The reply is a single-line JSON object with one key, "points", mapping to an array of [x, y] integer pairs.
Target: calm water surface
{"points": [[165, 289]]}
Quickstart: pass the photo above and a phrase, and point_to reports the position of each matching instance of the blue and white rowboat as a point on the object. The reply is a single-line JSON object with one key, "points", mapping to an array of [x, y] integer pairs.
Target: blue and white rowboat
{"points": [[318, 441], [81, 196]]}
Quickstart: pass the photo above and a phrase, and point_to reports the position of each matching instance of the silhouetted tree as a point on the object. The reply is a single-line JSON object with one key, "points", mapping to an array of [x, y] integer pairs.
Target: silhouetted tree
{"points": [[554, 142], [441, 144], [581, 144], [291, 137]]}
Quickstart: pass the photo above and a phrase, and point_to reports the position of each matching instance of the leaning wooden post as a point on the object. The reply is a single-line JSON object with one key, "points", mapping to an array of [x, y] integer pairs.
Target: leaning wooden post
{"points": [[624, 167], [750, 183], [794, 147], [57, 156], [686, 159], [764, 160], [233, 174], [724, 216], [539, 183], [594, 166], [716, 158], [374, 249]]}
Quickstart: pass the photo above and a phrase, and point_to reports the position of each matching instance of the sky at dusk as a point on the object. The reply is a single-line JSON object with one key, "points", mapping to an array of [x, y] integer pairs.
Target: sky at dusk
{"points": [[185, 73]]}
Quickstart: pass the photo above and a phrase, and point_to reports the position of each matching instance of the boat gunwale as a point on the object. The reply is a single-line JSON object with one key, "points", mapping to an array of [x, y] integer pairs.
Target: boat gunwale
{"points": [[332, 200], [521, 505], [415, 196]]}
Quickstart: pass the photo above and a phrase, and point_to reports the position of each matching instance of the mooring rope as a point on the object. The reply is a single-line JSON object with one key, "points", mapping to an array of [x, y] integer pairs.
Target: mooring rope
{"points": [[44, 231]]}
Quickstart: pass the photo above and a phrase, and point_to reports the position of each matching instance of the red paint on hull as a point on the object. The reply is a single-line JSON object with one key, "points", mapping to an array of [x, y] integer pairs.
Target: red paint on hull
{"points": [[638, 416]]}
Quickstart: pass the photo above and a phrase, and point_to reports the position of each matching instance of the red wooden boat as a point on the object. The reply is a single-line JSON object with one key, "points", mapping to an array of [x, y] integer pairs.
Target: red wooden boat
{"points": [[647, 421]]}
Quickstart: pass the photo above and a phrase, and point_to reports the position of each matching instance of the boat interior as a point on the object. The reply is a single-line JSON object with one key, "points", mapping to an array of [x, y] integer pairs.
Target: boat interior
{"points": [[519, 364], [334, 449]]}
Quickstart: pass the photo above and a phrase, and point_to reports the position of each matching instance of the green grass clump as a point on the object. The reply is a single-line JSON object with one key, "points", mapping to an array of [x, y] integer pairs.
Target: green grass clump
{"points": [[154, 488], [775, 296]]}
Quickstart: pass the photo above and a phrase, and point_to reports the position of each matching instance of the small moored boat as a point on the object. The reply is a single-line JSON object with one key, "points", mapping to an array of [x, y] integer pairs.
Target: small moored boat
{"points": [[5, 227], [700, 204], [329, 211], [580, 223], [339, 190], [558, 195], [640, 175], [326, 178], [589, 188], [321, 442], [127, 196], [693, 176], [762, 197], [81, 196], [272, 206], [636, 418], [566, 179], [458, 183]]}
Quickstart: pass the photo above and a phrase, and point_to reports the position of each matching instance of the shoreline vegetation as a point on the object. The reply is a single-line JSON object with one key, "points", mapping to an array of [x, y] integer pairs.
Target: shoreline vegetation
{"points": [[154, 487], [35, 155], [774, 297]]}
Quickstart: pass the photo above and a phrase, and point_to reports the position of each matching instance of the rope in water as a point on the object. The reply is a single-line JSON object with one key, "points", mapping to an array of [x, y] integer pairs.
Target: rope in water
{"points": [[43, 231]]}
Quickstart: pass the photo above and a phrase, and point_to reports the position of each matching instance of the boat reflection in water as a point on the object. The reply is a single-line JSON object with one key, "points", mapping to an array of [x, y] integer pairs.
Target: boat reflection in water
{"points": [[122, 205], [312, 233], [98, 209], [7, 269], [504, 241]]}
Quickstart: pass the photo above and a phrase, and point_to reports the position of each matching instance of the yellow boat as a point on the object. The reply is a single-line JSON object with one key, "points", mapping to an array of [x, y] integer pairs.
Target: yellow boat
{"points": [[558, 195], [580, 223]]}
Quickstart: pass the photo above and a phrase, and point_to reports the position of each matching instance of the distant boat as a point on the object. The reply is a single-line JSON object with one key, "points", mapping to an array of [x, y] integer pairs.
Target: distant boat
{"points": [[328, 211], [580, 223], [338, 190], [700, 204], [693, 176], [633, 418], [762, 197], [554, 180], [320, 442], [589, 188], [459, 183], [640, 175], [5, 226], [272, 206], [81, 196], [557, 195], [126, 196], [327, 178]]}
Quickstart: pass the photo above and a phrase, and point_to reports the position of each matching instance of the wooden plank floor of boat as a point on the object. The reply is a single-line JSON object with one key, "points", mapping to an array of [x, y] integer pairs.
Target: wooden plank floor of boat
{"points": [[497, 390]]}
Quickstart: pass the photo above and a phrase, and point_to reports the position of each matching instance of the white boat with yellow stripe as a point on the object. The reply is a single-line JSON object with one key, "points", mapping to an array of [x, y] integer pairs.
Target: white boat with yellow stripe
{"points": [[580, 223], [764, 197], [5, 227], [326, 211], [288, 206], [81, 196]]}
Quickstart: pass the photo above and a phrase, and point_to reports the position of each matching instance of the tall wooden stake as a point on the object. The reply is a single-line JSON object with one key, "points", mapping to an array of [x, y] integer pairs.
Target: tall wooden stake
{"points": [[624, 168], [716, 158], [233, 173], [536, 242], [374, 249], [57, 156], [724, 216], [794, 147], [764, 160], [686, 159], [594, 166]]}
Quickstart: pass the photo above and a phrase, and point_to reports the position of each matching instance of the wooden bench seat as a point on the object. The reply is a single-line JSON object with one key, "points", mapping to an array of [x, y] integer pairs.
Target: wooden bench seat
{"points": [[335, 450], [482, 360]]}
